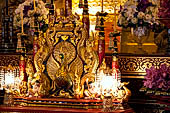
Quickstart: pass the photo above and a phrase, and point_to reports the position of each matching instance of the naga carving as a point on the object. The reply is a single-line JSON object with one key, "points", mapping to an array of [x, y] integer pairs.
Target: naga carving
{"points": [[65, 61]]}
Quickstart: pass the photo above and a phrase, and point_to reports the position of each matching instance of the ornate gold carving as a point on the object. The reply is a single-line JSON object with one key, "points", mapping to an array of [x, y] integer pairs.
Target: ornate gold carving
{"points": [[42, 54], [41, 84], [30, 74], [124, 93], [52, 67], [64, 34], [6, 60], [67, 57], [66, 49], [66, 24], [136, 65], [77, 67]]}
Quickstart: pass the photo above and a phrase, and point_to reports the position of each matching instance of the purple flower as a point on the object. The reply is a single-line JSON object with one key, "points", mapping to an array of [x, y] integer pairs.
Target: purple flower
{"points": [[164, 9], [143, 4], [158, 78]]}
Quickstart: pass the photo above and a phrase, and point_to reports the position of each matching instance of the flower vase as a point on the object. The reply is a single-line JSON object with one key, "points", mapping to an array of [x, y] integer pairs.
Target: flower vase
{"points": [[139, 40], [140, 34]]}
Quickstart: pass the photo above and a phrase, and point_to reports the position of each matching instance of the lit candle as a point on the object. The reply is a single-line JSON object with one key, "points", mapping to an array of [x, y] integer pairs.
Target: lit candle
{"points": [[22, 24]]}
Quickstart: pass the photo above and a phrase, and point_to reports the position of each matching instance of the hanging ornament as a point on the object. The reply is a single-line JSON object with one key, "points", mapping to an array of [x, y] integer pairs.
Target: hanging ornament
{"points": [[80, 3], [110, 43], [20, 42], [97, 21], [115, 46], [35, 44]]}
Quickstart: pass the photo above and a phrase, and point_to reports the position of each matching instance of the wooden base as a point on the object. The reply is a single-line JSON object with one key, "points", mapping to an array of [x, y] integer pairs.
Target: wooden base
{"points": [[56, 110], [61, 102], [58, 105]]}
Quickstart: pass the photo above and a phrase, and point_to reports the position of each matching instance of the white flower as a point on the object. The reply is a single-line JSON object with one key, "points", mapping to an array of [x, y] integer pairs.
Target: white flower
{"points": [[134, 20], [40, 9], [39, 6], [26, 3], [126, 4], [25, 21], [45, 12], [21, 7], [42, 3], [125, 23], [125, 14], [17, 11], [130, 16], [121, 20], [148, 17], [129, 9], [140, 15]]}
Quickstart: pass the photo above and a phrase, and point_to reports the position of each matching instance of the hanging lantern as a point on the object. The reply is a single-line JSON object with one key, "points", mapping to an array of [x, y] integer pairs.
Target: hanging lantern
{"points": [[110, 43], [115, 45]]}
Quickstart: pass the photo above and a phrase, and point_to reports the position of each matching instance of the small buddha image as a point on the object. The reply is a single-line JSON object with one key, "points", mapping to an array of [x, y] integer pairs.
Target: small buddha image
{"points": [[140, 31]]}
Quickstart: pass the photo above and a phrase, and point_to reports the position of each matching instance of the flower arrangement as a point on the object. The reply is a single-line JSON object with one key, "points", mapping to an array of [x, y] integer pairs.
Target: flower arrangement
{"points": [[158, 78], [136, 13], [28, 11]]}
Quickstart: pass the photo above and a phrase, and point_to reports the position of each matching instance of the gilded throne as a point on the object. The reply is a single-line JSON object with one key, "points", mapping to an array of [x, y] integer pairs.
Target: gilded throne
{"points": [[65, 60]]}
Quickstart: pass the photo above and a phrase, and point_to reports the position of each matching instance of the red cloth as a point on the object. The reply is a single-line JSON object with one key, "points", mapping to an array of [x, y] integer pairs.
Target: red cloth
{"points": [[101, 50]]}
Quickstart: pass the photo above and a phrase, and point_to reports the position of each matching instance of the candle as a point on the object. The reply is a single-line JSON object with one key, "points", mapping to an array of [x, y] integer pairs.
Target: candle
{"points": [[22, 24], [115, 18], [6, 7], [102, 5], [34, 6]]}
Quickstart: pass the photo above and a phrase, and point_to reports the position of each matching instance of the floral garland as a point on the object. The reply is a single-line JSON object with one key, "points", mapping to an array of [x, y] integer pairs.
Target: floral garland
{"points": [[158, 78], [28, 13], [137, 13]]}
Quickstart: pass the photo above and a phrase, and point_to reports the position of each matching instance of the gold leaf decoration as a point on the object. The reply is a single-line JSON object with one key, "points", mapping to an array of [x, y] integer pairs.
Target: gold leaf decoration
{"points": [[76, 65], [67, 50], [52, 67]]}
